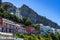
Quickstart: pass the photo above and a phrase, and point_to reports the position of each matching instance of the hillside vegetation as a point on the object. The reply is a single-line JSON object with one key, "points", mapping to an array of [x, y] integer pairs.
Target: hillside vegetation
{"points": [[49, 36], [25, 21]]}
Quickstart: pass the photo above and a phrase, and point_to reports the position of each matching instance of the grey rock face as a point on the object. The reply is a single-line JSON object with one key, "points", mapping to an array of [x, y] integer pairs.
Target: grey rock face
{"points": [[35, 18], [27, 12], [12, 9]]}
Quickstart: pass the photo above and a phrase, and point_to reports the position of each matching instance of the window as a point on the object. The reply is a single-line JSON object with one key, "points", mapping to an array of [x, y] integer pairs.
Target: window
{"points": [[14, 27], [5, 25], [8, 26], [4, 29]]}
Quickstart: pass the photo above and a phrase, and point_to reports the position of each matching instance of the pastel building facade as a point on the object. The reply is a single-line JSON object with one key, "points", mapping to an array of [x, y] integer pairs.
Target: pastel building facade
{"points": [[27, 30], [12, 27], [8, 26]]}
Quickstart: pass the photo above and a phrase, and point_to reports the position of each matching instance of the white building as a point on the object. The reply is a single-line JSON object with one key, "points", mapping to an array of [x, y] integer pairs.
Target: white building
{"points": [[58, 31], [18, 13], [8, 36], [53, 30], [46, 29]]}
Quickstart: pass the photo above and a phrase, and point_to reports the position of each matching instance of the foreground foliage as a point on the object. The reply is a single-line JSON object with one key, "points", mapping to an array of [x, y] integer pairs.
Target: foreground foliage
{"points": [[49, 36]]}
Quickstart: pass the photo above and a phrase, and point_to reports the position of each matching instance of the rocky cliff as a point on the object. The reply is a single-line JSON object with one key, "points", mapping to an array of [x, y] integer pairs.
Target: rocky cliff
{"points": [[25, 11], [35, 18]]}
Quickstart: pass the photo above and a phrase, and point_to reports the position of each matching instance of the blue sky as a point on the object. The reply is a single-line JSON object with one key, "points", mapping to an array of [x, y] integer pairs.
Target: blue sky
{"points": [[48, 8]]}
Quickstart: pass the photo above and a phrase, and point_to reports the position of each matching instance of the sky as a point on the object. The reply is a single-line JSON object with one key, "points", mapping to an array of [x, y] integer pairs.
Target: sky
{"points": [[47, 8]]}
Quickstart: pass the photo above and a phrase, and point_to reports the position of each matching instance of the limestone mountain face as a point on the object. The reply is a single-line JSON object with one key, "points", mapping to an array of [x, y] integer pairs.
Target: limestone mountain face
{"points": [[25, 11], [29, 13], [35, 18]]}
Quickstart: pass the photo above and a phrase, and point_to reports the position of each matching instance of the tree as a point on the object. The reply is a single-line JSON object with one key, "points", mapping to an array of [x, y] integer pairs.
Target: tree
{"points": [[28, 22], [36, 27], [58, 36], [6, 15], [6, 6], [25, 21], [53, 36], [13, 17], [1, 10]]}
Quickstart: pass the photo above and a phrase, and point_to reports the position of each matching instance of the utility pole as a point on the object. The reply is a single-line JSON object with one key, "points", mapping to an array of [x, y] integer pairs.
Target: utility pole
{"points": [[0, 3]]}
